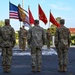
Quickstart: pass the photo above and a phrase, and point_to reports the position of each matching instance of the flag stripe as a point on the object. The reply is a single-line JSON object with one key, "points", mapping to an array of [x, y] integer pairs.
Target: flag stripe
{"points": [[13, 17]]}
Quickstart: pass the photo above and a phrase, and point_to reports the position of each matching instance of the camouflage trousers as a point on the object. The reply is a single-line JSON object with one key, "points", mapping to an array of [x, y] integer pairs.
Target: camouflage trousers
{"points": [[6, 58], [36, 55], [48, 44], [19, 43], [62, 56], [23, 44]]}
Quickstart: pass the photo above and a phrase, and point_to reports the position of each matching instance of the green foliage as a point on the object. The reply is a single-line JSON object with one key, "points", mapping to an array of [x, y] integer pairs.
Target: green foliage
{"points": [[53, 30], [72, 40], [16, 36], [58, 19], [1, 23], [72, 37]]}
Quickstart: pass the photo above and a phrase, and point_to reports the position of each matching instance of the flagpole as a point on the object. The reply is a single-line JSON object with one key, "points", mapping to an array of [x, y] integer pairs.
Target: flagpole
{"points": [[22, 3], [19, 21], [38, 13], [53, 35], [22, 6], [49, 18], [9, 8], [29, 16]]}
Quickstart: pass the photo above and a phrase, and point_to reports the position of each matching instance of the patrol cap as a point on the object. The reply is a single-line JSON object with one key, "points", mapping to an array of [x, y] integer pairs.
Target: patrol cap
{"points": [[62, 21], [36, 21], [7, 20]]}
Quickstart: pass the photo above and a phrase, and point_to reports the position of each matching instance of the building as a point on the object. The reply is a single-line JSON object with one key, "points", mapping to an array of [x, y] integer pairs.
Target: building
{"points": [[72, 31]]}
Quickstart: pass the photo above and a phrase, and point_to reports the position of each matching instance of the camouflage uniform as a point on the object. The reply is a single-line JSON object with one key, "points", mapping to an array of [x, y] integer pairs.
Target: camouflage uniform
{"points": [[19, 37], [36, 39], [62, 43], [48, 38], [23, 38], [7, 43], [0, 41]]}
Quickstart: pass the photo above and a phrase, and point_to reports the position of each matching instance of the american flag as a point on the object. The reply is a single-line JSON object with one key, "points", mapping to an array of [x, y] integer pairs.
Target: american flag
{"points": [[13, 11]]}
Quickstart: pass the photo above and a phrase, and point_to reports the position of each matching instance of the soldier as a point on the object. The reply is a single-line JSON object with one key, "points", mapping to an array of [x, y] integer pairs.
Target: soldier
{"points": [[36, 39], [48, 38], [62, 43], [19, 37], [7, 43], [0, 41], [23, 38]]}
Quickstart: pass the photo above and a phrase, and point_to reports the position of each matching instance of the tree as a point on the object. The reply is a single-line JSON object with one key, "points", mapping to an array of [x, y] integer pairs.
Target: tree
{"points": [[1, 23], [58, 19]]}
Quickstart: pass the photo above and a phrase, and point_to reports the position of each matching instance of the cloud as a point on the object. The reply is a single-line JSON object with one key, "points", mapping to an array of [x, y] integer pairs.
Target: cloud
{"points": [[60, 6]]}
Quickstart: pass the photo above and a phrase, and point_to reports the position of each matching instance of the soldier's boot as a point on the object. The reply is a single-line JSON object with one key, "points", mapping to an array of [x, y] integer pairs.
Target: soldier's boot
{"points": [[48, 47], [23, 49], [64, 68], [60, 68], [38, 69], [6, 69], [33, 69]]}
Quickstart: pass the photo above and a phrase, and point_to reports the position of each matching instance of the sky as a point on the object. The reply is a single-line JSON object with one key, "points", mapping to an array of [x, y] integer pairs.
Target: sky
{"points": [[59, 8]]}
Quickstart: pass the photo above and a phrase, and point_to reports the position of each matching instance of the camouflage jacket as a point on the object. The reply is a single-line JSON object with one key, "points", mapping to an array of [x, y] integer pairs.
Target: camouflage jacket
{"points": [[8, 36], [62, 37], [36, 37], [23, 33], [20, 33], [0, 37]]}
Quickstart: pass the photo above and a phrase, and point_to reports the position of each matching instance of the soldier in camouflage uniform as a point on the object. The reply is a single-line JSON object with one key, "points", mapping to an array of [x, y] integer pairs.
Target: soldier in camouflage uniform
{"points": [[19, 38], [36, 39], [23, 38], [7, 43], [0, 41], [62, 43], [48, 34]]}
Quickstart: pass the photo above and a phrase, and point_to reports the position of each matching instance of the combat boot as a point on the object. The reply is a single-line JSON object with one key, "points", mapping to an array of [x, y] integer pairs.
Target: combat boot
{"points": [[60, 68], [64, 68], [33, 69], [5, 70], [38, 69]]}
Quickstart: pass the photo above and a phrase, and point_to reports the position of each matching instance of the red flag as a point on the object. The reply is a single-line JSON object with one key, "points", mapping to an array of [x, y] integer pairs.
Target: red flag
{"points": [[52, 20], [42, 15], [31, 19]]}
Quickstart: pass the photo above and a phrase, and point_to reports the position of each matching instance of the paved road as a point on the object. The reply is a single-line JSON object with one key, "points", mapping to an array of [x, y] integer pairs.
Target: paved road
{"points": [[21, 65]]}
